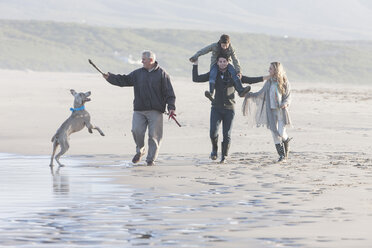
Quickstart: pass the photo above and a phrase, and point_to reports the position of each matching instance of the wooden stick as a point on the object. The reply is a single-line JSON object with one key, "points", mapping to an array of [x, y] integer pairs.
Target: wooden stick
{"points": [[91, 62]]}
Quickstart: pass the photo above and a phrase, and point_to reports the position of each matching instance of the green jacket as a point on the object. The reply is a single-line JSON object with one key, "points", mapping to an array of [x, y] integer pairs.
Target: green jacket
{"points": [[214, 48]]}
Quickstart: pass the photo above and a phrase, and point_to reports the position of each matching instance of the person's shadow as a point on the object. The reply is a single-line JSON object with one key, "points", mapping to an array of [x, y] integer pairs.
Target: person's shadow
{"points": [[61, 185]]}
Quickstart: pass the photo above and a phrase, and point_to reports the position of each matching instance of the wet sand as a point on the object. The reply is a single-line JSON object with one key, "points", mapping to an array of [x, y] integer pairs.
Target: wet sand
{"points": [[187, 202], [320, 198]]}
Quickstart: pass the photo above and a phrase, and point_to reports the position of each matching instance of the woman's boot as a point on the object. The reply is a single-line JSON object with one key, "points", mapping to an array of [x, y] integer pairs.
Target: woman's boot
{"points": [[280, 150], [286, 146]]}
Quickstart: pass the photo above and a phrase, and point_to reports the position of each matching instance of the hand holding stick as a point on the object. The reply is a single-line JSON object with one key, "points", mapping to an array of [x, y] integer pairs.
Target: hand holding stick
{"points": [[173, 116]]}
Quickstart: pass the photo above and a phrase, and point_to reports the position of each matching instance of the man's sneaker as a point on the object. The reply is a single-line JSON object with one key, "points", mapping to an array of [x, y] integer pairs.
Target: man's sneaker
{"points": [[209, 95], [137, 158], [150, 163], [245, 91]]}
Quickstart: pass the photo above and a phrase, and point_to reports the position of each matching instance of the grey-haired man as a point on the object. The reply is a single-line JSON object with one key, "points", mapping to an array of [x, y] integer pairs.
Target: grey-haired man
{"points": [[152, 92]]}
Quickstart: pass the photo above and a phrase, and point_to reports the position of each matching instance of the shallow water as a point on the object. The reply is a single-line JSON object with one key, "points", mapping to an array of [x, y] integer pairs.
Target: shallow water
{"points": [[81, 206], [77, 207], [74, 207]]}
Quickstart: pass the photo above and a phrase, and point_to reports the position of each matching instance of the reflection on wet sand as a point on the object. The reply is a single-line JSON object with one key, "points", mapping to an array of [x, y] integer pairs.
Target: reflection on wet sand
{"points": [[60, 183], [214, 206]]}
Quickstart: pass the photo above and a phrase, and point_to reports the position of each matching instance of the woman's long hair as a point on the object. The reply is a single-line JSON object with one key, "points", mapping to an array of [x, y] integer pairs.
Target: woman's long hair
{"points": [[280, 76]]}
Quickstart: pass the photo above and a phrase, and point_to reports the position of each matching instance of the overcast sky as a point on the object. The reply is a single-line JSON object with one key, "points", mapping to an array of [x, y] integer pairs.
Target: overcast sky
{"points": [[317, 19]]}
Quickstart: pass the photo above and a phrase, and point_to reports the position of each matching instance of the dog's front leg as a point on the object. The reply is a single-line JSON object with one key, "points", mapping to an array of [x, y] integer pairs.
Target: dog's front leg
{"points": [[90, 127], [99, 130]]}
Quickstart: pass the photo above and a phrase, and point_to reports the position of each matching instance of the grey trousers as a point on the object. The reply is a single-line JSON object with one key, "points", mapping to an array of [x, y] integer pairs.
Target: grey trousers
{"points": [[152, 119]]}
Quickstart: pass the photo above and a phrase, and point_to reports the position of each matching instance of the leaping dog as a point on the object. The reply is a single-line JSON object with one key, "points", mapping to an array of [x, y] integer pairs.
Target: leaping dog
{"points": [[78, 119]]}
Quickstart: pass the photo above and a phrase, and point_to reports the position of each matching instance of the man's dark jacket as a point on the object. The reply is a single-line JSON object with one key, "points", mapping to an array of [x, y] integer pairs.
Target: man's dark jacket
{"points": [[152, 89], [224, 87]]}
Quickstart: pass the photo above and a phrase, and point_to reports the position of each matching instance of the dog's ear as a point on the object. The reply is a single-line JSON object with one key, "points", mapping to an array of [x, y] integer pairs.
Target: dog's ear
{"points": [[73, 92], [87, 93]]}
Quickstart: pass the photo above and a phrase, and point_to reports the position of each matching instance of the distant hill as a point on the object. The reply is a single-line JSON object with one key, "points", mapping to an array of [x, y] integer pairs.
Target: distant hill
{"points": [[51, 46]]}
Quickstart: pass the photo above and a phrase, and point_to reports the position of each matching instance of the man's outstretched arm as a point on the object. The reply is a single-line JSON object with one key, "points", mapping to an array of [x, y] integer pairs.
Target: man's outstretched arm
{"points": [[199, 78]]}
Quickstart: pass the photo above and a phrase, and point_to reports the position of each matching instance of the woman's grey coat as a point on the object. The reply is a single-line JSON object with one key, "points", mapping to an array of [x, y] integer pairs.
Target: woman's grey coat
{"points": [[256, 107]]}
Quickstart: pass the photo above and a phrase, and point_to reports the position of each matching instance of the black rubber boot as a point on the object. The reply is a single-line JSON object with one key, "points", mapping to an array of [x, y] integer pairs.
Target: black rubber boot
{"points": [[244, 91], [286, 147], [280, 150], [225, 152], [214, 148], [240, 89], [209, 94]]}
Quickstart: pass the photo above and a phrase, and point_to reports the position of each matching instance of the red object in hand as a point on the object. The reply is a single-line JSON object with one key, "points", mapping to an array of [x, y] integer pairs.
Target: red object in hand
{"points": [[173, 116]]}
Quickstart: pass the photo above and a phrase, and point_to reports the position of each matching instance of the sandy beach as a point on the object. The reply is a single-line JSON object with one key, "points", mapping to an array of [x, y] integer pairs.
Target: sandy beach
{"points": [[321, 197]]}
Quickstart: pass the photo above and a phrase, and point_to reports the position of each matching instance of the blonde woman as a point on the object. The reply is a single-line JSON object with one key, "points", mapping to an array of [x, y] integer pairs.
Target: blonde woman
{"points": [[269, 107]]}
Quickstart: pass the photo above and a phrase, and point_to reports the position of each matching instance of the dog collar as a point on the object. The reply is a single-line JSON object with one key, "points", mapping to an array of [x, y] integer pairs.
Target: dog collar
{"points": [[77, 109]]}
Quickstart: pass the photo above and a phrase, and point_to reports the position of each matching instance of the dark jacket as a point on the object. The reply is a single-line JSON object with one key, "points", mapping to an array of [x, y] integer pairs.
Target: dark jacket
{"points": [[152, 90], [224, 88]]}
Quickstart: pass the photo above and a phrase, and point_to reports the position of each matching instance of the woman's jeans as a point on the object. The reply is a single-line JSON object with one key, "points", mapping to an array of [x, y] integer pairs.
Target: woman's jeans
{"points": [[280, 125]]}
